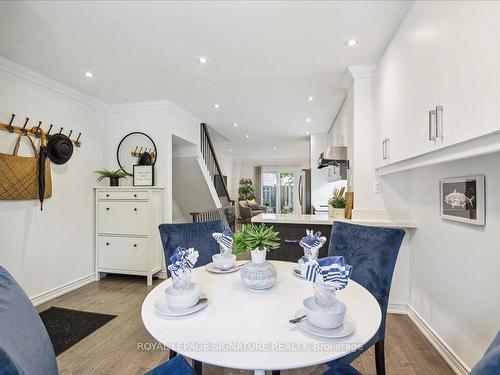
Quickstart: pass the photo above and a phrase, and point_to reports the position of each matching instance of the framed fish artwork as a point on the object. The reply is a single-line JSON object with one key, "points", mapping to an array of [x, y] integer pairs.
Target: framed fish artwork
{"points": [[463, 199]]}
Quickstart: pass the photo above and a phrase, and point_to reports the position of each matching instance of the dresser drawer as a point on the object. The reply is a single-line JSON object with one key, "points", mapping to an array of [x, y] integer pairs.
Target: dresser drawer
{"points": [[122, 195], [122, 253], [123, 218]]}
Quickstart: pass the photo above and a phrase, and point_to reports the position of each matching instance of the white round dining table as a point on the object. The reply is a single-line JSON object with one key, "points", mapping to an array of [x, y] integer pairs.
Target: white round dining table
{"points": [[250, 330]]}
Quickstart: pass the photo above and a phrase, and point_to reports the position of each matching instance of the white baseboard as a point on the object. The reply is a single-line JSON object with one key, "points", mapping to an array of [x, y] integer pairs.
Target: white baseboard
{"points": [[397, 308], [456, 364], [59, 291]]}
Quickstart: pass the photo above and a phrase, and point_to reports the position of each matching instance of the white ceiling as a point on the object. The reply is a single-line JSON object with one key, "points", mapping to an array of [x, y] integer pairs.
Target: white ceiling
{"points": [[265, 58]]}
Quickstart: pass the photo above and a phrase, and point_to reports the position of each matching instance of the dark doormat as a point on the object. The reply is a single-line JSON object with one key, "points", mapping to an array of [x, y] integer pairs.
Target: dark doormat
{"points": [[67, 327]]}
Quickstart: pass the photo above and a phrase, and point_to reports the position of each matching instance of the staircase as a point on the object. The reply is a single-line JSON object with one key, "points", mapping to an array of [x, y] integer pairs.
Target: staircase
{"points": [[227, 211], [199, 191]]}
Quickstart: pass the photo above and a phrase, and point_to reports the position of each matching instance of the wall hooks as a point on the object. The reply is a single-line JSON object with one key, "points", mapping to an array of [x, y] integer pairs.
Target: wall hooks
{"points": [[35, 131]]}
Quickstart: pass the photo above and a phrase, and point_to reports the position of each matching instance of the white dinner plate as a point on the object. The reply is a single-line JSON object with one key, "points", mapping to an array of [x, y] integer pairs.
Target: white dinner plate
{"points": [[296, 272], [210, 267], [347, 328], [162, 308]]}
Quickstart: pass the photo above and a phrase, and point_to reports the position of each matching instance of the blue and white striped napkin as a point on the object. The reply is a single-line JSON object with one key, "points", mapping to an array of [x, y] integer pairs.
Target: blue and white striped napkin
{"points": [[182, 261], [311, 243], [330, 271], [225, 240]]}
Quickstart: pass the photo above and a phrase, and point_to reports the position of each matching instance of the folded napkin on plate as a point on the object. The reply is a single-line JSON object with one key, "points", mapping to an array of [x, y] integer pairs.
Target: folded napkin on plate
{"points": [[182, 260], [332, 272], [225, 240]]}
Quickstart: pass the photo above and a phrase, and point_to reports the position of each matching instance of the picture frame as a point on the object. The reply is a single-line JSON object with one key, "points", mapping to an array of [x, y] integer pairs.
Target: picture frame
{"points": [[462, 199], [143, 175]]}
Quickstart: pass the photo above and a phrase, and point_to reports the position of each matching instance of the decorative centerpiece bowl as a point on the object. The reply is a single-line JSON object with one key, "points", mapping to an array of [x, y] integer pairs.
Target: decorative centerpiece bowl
{"points": [[258, 273]]}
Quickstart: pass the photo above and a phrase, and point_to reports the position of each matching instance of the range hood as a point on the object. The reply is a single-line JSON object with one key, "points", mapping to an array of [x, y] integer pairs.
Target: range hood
{"points": [[336, 156]]}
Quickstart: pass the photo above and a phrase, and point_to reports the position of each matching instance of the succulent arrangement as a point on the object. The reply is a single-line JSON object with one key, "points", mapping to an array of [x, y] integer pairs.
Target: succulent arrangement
{"points": [[255, 237]]}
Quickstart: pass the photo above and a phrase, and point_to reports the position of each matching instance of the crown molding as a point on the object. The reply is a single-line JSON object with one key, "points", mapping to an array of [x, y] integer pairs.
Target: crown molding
{"points": [[153, 106], [356, 71], [58, 87], [48, 83]]}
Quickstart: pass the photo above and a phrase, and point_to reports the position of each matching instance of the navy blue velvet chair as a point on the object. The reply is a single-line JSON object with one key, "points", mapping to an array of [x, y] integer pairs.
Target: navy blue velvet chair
{"points": [[195, 235], [175, 366], [341, 368], [25, 346], [490, 363], [372, 252]]}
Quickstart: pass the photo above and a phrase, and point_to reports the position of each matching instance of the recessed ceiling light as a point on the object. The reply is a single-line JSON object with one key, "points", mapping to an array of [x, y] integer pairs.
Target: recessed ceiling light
{"points": [[247, 136], [230, 150], [308, 119], [203, 60], [235, 124], [274, 148], [310, 98], [351, 42], [308, 132], [89, 74], [216, 106]]}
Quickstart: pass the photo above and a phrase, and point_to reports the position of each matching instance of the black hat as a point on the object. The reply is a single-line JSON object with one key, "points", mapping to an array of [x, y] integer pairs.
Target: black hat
{"points": [[59, 148]]}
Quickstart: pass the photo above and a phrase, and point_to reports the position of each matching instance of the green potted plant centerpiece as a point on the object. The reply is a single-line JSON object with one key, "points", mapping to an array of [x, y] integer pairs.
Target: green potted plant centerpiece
{"points": [[259, 239], [336, 207], [114, 176]]}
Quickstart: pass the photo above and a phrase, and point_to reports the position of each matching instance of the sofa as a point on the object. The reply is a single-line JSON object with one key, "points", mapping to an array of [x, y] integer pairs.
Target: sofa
{"points": [[250, 208]]}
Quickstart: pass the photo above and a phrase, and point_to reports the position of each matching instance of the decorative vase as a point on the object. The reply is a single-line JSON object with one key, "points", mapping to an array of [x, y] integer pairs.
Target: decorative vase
{"points": [[258, 273], [336, 213], [114, 181]]}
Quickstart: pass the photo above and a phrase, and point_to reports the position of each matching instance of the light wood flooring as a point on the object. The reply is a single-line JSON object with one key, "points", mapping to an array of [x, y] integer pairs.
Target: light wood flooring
{"points": [[115, 348]]}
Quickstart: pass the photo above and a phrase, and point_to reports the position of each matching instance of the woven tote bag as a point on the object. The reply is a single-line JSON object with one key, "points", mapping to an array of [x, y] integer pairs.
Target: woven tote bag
{"points": [[19, 175]]}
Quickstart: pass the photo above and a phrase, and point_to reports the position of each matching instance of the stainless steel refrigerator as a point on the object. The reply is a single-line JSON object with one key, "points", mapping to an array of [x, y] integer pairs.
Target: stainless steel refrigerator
{"points": [[305, 191]]}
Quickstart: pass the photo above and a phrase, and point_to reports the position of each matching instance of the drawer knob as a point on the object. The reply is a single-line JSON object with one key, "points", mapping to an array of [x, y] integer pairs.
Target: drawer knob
{"points": [[135, 195], [135, 245], [107, 243], [107, 208], [107, 195], [135, 209]]}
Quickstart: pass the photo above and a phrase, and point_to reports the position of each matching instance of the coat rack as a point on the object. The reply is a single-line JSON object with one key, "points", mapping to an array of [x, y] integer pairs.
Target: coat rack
{"points": [[35, 131]]}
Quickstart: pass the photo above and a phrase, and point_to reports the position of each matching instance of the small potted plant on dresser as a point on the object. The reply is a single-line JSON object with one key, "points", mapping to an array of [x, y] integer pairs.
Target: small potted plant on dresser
{"points": [[258, 273], [336, 207], [114, 176]]}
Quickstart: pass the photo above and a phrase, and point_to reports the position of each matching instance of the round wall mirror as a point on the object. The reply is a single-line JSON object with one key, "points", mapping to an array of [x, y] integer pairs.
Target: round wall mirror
{"points": [[136, 149]]}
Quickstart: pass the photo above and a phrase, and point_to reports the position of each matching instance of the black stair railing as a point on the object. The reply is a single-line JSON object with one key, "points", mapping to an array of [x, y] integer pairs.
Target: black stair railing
{"points": [[210, 157]]}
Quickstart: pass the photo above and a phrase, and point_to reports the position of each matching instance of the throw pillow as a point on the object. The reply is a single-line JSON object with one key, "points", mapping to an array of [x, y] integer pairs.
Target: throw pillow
{"points": [[254, 206]]}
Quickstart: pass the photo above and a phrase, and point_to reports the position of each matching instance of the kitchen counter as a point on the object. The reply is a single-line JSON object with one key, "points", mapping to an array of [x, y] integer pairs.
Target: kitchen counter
{"points": [[323, 219]]}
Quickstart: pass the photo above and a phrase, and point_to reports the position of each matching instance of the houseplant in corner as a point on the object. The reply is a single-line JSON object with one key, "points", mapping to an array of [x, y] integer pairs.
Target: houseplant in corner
{"points": [[114, 176], [336, 207], [259, 239]]}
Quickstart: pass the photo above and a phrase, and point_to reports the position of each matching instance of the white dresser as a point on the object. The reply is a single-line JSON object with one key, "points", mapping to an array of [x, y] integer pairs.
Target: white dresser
{"points": [[127, 239]]}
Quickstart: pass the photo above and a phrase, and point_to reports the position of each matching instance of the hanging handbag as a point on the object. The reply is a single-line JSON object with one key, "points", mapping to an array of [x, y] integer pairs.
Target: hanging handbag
{"points": [[19, 175]]}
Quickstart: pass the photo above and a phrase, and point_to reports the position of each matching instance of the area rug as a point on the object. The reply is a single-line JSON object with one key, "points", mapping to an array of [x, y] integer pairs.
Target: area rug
{"points": [[67, 327]]}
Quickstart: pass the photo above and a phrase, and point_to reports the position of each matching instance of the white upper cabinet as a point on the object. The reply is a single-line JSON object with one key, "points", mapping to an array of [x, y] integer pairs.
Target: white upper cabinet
{"points": [[437, 82], [468, 80]]}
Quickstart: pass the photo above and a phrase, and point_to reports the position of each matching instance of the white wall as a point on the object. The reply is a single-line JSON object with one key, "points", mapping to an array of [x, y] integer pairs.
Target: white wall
{"points": [[455, 278], [321, 186], [45, 250], [160, 121]]}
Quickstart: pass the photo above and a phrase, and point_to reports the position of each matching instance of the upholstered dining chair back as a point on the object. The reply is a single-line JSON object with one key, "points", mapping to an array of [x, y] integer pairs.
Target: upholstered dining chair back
{"points": [[195, 235], [490, 363], [25, 347]]}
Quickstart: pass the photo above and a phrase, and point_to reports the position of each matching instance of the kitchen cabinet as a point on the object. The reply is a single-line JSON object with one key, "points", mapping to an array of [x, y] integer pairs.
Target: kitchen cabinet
{"points": [[290, 236], [437, 83]]}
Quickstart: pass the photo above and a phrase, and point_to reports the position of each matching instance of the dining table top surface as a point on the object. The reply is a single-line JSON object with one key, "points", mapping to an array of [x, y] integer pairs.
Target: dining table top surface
{"points": [[250, 329]]}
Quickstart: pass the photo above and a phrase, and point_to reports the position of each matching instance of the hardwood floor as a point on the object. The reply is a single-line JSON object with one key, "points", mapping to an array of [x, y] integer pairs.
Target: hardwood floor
{"points": [[123, 346]]}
